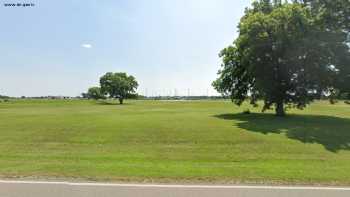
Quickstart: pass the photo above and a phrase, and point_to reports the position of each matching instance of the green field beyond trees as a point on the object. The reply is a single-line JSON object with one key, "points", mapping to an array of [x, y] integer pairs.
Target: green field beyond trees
{"points": [[169, 141]]}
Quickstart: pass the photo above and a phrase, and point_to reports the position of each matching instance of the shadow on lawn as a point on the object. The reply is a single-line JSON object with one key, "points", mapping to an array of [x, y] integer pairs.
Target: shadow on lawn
{"points": [[101, 102], [332, 132]]}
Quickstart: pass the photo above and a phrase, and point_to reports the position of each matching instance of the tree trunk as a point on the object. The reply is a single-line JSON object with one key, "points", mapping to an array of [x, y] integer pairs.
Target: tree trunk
{"points": [[280, 109], [121, 101]]}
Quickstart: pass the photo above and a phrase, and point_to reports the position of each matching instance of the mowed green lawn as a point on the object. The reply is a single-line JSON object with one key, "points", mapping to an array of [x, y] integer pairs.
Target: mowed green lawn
{"points": [[205, 141]]}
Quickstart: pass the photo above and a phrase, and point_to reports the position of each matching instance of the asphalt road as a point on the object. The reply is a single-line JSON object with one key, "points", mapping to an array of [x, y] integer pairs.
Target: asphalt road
{"points": [[67, 189]]}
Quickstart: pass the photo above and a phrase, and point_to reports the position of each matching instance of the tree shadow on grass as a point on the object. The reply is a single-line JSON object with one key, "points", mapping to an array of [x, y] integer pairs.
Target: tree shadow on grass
{"points": [[331, 132], [101, 102]]}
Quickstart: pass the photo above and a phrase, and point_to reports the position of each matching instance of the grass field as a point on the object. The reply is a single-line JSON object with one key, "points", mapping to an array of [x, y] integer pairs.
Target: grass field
{"points": [[206, 141]]}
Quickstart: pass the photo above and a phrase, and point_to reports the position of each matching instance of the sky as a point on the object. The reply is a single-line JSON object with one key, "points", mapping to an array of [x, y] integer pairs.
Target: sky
{"points": [[63, 47]]}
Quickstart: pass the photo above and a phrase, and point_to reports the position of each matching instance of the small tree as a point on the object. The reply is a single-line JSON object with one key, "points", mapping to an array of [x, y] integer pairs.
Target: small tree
{"points": [[95, 93], [118, 85]]}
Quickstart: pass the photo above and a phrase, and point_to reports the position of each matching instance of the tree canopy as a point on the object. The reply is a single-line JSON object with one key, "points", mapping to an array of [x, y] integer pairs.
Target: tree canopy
{"points": [[118, 85], [95, 93], [334, 16], [286, 55]]}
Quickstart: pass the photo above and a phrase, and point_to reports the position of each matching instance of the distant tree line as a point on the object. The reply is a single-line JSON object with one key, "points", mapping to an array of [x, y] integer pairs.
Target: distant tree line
{"points": [[183, 97], [4, 97]]}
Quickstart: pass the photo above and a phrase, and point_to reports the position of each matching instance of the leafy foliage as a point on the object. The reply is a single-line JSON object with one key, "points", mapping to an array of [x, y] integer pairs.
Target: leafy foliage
{"points": [[283, 55], [95, 93], [332, 14], [118, 85]]}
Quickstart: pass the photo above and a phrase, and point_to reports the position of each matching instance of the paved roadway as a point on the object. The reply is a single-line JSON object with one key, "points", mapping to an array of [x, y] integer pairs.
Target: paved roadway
{"points": [[68, 189]]}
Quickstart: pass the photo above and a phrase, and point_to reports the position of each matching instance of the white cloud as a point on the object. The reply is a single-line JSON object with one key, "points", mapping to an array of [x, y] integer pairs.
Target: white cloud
{"points": [[87, 46]]}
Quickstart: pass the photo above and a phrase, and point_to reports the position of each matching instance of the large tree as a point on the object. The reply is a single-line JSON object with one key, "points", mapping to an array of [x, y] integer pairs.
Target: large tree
{"points": [[284, 55], [334, 16], [118, 85]]}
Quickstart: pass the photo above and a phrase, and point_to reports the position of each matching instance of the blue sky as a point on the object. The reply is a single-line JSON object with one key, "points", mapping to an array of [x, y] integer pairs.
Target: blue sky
{"points": [[63, 47]]}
